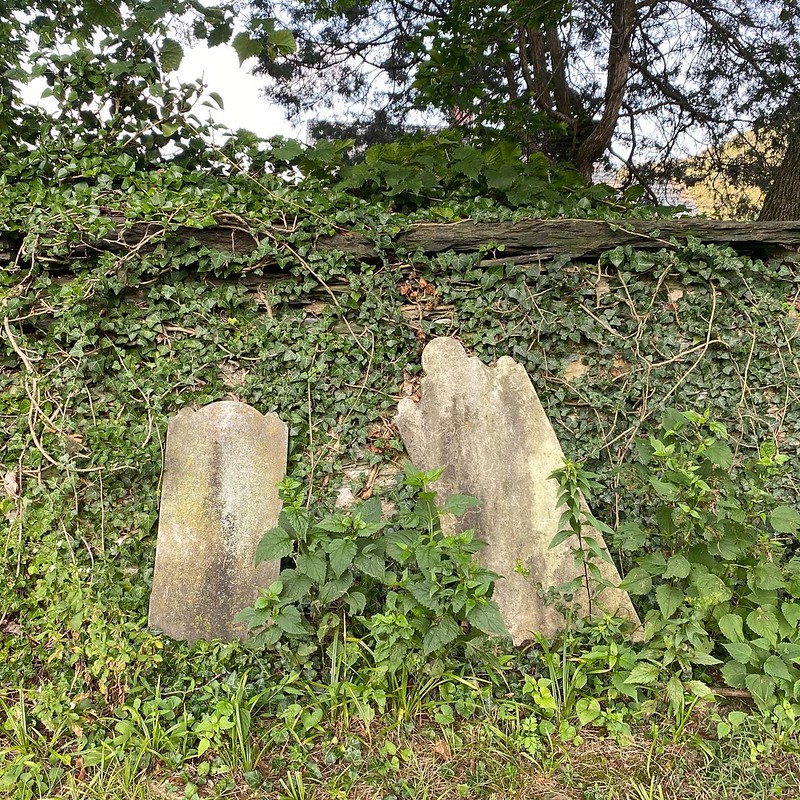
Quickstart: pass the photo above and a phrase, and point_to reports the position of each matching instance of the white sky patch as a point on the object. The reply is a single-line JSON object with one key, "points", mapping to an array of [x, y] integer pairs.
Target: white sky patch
{"points": [[245, 106]]}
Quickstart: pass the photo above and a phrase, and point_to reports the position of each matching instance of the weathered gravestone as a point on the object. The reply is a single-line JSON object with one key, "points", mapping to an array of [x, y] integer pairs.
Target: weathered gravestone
{"points": [[486, 427], [219, 496]]}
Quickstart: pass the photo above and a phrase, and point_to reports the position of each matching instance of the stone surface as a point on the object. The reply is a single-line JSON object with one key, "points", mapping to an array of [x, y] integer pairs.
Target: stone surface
{"points": [[486, 427], [219, 496]]}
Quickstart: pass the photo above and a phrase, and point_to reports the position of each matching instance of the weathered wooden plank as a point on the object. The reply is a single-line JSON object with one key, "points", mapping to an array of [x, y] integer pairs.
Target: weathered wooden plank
{"points": [[536, 238]]}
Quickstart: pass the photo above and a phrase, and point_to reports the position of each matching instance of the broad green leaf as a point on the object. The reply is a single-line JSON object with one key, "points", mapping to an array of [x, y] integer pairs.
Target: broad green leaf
{"points": [[274, 544], [763, 690], [291, 621], [669, 599], [283, 41], [334, 589], [333, 523], [372, 565], [315, 565], [457, 504], [700, 689], [637, 581], [776, 667], [424, 592], [765, 576], [734, 674], [341, 552], [171, 55], [440, 634], [664, 489], [370, 510], [791, 613], [356, 602], [560, 538], [644, 673], [763, 622], [671, 418], [678, 566], [739, 651], [719, 454], [785, 519], [296, 586], [486, 617], [731, 627], [588, 710], [675, 692]]}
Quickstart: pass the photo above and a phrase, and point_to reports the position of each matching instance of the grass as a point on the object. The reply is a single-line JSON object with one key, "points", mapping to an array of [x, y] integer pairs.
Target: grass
{"points": [[482, 758]]}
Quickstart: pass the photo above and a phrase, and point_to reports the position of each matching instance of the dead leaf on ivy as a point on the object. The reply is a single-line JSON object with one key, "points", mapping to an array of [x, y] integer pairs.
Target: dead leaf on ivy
{"points": [[11, 484]]}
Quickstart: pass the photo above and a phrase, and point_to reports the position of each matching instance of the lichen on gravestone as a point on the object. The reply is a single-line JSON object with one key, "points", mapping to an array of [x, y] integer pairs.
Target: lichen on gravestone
{"points": [[487, 429], [222, 467]]}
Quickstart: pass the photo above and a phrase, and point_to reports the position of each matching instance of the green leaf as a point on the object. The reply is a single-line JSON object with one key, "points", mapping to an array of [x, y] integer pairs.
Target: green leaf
{"points": [[171, 55], [486, 617], [678, 566], [734, 674], [776, 667], [356, 603], [291, 621], [671, 418], [334, 589], [457, 504], [765, 576], [274, 544], [740, 652], [731, 627], [295, 586], [719, 454], [791, 613], [763, 690], [440, 634], [700, 689], [315, 565], [644, 673], [369, 564], [669, 599], [637, 581], [341, 552], [675, 692], [785, 519], [560, 538], [370, 510], [588, 710], [283, 41], [763, 622]]}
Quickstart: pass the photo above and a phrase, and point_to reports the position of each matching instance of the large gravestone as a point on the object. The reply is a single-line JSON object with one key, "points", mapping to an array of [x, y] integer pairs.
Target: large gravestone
{"points": [[486, 427], [219, 496]]}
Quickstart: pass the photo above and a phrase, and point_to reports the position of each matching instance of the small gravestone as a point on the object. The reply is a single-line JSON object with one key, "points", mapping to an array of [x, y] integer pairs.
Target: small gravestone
{"points": [[486, 427], [219, 496]]}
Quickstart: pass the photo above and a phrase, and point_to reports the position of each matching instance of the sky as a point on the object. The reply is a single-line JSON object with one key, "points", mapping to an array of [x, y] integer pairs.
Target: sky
{"points": [[240, 90]]}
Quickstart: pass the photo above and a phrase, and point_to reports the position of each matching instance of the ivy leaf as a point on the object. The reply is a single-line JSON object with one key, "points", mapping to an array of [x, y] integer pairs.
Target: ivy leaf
{"points": [[274, 544], [785, 519], [731, 627], [291, 621], [486, 617], [440, 634], [341, 552], [763, 622], [669, 599]]}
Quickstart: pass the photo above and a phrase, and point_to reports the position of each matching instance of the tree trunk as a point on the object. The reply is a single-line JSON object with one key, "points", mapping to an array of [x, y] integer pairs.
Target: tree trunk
{"points": [[783, 199]]}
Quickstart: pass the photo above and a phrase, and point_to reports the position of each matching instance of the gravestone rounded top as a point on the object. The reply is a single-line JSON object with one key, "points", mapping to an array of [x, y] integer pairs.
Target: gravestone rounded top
{"points": [[223, 410], [441, 353]]}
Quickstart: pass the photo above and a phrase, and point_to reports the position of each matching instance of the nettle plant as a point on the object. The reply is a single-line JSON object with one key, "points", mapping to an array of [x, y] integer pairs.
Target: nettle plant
{"points": [[720, 566], [386, 594]]}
